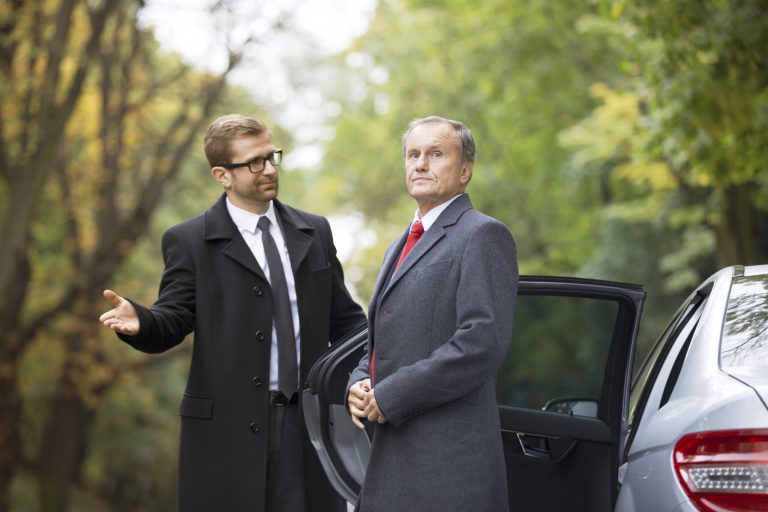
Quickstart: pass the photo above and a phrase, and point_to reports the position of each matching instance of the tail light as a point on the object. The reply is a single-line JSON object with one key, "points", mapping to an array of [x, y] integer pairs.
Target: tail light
{"points": [[724, 470]]}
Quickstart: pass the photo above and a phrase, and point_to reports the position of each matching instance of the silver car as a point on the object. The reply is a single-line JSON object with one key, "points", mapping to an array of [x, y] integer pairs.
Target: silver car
{"points": [[686, 431]]}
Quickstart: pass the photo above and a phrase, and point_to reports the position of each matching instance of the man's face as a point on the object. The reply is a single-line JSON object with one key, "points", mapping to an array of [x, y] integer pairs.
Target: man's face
{"points": [[434, 172], [247, 190]]}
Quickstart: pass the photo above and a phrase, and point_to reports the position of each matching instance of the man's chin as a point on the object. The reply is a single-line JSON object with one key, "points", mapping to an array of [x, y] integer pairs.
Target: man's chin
{"points": [[268, 194], [420, 189]]}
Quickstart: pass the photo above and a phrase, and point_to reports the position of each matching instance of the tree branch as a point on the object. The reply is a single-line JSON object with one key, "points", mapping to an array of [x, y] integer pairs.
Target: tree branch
{"points": [[54, 53], [36, 54], [64, 110]]}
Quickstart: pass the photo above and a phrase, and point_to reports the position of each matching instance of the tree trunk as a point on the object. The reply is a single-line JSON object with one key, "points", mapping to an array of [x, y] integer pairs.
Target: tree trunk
{"points": [[64, 448], [66, 434], [10, 397], [10, 439], [742, 234]]}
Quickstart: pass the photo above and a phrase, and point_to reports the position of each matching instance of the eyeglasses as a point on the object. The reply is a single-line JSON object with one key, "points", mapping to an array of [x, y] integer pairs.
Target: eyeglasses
{"points": [[259, 163]]}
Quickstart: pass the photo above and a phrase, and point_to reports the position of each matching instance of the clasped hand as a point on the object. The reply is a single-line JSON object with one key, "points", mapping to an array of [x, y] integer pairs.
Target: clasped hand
{"points": [[362, 404]]}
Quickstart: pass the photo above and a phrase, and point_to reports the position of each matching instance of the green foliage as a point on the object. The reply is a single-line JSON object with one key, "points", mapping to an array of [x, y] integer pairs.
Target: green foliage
{"points": [[516, 74], [705, 71], [706, 75], [619, 140], [126, 142]]}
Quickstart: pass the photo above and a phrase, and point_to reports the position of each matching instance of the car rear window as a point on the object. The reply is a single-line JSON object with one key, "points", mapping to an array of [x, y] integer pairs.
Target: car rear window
{"points": [[745, 331]]}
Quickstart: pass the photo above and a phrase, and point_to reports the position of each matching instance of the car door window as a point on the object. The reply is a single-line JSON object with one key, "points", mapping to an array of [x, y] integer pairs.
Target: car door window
{"points": [[557, 355], [682, 325]]}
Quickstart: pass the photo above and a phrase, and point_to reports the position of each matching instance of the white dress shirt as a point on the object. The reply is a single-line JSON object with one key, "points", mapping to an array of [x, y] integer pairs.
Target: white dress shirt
{"points": [[431, 216], [246, 223]]}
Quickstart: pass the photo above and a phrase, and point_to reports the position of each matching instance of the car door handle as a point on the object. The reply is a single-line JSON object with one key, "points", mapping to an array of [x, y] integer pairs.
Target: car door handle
{"points": [[545, 448], [534, 446]]}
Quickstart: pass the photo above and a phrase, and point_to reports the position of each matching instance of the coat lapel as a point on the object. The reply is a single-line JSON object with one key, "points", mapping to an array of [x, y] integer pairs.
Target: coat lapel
{"points": [[298, 234], [433, 235], [386, 267], [296, 231], [220, 226]]}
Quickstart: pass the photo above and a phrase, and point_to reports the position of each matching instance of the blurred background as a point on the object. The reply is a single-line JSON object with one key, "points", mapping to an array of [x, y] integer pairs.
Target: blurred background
{"points": [[618, 139]]}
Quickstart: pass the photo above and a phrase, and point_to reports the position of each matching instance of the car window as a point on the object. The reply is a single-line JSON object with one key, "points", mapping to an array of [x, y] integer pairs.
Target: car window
{"points": [[745, 331], [682, 324], [557, 354], [677, 365]]}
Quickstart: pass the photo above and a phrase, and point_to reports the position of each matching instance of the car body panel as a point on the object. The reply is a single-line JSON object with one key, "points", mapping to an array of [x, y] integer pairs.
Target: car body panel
{"points": [[703, 397]]}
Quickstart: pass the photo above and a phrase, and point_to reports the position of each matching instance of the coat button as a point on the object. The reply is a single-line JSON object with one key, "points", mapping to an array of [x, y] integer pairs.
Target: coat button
{"points": [[259, 335], [257, 381], [258, 291], [255, 428]]}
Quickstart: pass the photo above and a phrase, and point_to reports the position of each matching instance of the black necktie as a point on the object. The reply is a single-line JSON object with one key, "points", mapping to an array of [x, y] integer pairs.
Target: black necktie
{"points": [[281, 304]]}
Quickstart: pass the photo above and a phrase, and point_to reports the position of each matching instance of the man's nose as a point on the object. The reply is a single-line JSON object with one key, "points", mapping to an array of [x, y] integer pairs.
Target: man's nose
{"points": [[269, 168]]}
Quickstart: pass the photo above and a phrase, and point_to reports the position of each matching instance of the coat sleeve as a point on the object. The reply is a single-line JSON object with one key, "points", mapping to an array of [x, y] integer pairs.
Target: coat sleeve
{"points": [[172, 316], [362, 371], [485, 298]]}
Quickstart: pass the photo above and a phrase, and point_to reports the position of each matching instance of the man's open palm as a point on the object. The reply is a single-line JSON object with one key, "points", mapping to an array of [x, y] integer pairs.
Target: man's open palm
{"points": [[122, 317]]}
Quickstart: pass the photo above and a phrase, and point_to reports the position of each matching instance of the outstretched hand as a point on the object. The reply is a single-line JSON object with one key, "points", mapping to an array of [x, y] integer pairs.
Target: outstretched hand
{"points": [[122, 317]]}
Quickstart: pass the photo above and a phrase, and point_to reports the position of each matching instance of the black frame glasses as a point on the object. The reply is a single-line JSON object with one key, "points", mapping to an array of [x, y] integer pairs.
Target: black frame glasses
{"points": [[258, 164]]}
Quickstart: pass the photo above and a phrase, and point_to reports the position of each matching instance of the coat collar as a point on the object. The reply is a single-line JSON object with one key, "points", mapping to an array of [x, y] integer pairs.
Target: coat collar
{"points": [[432, 236], [297, 231], [298, 234]]}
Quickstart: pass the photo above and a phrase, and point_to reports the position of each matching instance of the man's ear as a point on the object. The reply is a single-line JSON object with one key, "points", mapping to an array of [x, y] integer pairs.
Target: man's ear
{"points": [[221, 175], [466, 172]]}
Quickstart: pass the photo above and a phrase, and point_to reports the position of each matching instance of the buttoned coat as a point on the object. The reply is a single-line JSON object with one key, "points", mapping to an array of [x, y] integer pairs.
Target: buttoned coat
{"points": [[441, 325], [213, 285]]}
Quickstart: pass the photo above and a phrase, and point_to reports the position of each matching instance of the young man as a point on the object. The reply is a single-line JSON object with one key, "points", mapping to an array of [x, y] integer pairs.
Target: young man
{"points": [[260, 285]]}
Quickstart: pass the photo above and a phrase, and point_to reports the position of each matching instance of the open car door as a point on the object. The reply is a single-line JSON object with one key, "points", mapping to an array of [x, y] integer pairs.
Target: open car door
{"points": [[562, 393]]}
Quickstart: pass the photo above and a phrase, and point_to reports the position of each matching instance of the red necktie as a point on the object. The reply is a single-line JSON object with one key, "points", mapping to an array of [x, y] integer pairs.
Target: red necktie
{"points": [[414, 234]]}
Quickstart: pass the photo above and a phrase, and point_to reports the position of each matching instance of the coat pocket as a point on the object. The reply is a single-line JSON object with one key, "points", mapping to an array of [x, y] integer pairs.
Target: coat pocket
{"points": [[195, 406], [434, 268]]}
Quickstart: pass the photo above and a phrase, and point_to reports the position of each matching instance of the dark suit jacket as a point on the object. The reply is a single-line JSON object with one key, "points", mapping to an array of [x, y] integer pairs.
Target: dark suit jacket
{"points": [[441, 326], [212, 285]]}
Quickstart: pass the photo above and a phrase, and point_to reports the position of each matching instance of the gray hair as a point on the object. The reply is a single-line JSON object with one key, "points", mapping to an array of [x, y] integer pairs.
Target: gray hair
{"points": [[463, 135]]}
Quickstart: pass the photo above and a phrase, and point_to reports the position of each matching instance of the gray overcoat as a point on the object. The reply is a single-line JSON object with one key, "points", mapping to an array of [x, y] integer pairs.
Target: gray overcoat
{"points": [[441, 326], [213, 285]]}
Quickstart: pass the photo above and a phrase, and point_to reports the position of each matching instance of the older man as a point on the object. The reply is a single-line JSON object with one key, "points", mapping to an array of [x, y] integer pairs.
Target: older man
{"points": [[440, 322]]}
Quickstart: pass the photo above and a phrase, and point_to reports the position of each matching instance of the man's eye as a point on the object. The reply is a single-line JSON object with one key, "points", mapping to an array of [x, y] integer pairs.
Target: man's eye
{"points": [[437, 154]]}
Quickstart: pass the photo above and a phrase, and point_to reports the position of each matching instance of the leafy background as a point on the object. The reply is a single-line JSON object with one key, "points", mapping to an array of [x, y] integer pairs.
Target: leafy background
{"points": [[620, 139]]}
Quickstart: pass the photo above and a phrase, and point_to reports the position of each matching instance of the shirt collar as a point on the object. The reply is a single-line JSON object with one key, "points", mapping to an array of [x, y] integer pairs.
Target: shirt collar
{"points": [[431, 216], [246, 221]]}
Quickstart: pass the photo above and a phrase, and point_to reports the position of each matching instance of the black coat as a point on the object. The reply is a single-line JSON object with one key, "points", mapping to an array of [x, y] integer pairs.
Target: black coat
{"points": [[212, 285]]}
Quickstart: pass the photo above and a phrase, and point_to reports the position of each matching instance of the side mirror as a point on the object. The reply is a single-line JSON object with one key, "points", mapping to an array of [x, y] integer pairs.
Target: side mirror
{"points": [[573, 406]]}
